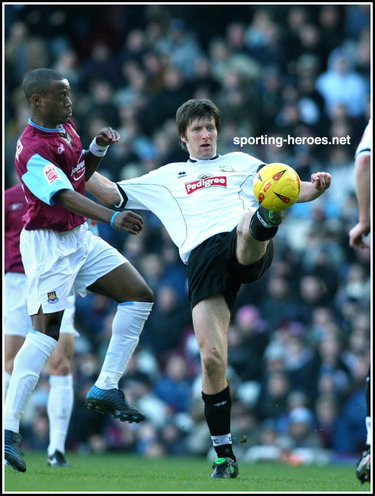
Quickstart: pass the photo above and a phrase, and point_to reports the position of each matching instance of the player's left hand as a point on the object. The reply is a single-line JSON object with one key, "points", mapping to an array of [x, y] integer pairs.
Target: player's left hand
{"points": [[357, 234], [129, 222], [107, 136], [321, 180]]}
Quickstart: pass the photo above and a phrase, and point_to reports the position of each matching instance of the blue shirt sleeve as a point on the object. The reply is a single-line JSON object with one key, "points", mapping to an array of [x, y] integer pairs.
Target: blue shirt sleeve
{"points": [[44, 179]]}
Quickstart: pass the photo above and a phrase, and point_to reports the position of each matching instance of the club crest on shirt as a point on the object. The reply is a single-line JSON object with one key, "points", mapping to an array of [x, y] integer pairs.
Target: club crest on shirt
{"points": [[226, 168], [51, 297], [61, 149], [205, 181], [50, 173]]}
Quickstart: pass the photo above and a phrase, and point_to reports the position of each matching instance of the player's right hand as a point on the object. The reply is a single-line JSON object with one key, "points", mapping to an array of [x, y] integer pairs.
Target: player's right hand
{"points": [[129, 222]]}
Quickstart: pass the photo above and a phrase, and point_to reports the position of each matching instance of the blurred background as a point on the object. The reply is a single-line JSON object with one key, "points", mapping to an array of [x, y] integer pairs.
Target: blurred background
{"points": [[299, 340]]}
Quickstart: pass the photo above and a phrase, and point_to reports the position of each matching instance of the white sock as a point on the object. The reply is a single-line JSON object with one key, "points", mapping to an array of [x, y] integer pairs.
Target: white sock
{"points": [[59, 410], [126, 329], [6, 382], [368, 428], [28, 364]]}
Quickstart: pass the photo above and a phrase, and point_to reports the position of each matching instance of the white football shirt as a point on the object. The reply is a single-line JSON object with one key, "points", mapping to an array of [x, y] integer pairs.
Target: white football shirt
{"points": [[364, 147], [195, 199]]}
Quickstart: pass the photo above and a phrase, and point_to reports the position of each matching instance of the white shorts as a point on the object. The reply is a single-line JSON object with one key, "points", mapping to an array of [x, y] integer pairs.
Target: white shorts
{"points": [[17, 321], [59, 264]]}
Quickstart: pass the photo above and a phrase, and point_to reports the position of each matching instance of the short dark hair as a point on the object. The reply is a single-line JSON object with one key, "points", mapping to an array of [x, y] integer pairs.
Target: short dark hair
{"points": [[39, 82], [198, 108]]}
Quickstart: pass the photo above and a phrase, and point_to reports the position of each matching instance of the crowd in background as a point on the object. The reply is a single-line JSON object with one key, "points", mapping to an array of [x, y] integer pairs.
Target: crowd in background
{"points": [[299, 340]]}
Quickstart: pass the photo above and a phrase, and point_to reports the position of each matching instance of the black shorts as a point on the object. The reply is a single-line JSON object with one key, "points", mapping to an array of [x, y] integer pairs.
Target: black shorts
{"points": [[213, 268]]}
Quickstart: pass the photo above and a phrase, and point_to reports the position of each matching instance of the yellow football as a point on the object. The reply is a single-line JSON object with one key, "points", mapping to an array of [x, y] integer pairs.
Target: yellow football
{"points": [[277, 186]]}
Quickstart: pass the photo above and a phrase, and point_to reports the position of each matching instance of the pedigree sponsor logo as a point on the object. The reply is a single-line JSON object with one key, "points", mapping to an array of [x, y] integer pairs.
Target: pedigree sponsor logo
{"points": [[205, 182]]}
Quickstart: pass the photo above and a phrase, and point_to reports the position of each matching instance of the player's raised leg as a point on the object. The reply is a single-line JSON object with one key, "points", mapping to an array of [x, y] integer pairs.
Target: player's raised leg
{"points": [[254, 231], [135, 299]]}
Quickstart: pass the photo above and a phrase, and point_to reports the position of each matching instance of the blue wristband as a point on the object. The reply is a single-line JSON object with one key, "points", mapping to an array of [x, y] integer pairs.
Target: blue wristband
{"points": [[113, 218]]}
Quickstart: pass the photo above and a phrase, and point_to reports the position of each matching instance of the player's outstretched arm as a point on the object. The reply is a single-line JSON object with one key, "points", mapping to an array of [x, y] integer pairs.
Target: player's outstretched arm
{"points": [[320, 181], [126, 221], [103, 189], [98, 148]]}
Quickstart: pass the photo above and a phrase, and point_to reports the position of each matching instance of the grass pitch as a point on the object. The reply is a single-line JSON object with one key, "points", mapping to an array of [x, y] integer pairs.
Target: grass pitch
{"points": [[129, 473]]}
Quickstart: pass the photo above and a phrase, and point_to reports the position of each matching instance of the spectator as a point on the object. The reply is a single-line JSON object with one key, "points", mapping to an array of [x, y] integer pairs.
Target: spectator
{"points": [[101, 105], [223, 61], [67, 64], [332, 366], [24, 52], [300, 361], [350, 433], [248, 339], [265, 448], [340, 84], [330, 26], [163, 331], [181, 47], [326, 412], [273, 397], [135, 46], [302, 432], [100, 63], [280, 299], [174, 387], [270, 51]]}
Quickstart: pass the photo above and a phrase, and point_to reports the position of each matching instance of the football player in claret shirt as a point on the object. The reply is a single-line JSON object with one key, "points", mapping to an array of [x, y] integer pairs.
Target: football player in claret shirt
{"points": [[17, 323], [208, 207], [61, 256]]}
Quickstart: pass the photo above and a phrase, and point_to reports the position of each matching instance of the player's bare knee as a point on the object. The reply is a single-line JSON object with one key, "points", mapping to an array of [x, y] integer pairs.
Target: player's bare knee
{"points": [[248, 249], [60, 365], [243, 231], [149, 295], [145, 294], [63, 368], [212, 362]]}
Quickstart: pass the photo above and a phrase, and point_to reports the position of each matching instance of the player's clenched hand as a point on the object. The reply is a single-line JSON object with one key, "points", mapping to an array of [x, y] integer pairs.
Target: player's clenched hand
{"points": [[107, 136], [321, 180], [356, 235], [129, 222]]}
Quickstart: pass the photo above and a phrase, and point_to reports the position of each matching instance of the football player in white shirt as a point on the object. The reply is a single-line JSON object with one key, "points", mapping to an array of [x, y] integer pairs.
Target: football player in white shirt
{"points": [[363, 181], [362, 228], [208, 207]]}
